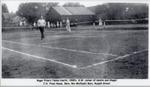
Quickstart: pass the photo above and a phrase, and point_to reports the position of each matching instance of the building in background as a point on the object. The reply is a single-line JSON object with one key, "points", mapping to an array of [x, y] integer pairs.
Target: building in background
{"points": [[76, 15]]}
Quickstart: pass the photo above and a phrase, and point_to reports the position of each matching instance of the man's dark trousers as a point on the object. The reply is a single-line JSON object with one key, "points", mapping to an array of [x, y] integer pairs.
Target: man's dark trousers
{"points": [[42, 32]]}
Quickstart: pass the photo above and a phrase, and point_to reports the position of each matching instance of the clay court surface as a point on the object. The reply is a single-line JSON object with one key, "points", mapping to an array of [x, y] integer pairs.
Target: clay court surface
{"points": [[118, 54]]}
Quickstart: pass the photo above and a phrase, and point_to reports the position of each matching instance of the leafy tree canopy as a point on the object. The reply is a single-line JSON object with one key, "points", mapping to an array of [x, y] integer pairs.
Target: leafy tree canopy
{"points": [[33, 11], [114, 11], [4, 8]]}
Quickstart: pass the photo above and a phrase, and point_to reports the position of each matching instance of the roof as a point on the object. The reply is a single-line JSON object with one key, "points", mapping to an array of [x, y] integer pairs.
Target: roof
{"points": [[73, 11], [79, 11], [62, 11]]}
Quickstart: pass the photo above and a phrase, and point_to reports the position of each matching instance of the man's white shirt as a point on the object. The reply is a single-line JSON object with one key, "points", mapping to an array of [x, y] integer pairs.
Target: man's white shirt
{"points": [[41, 23]]}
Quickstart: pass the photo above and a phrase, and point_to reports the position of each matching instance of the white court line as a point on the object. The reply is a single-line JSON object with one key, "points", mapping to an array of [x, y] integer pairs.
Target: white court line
{"points": [[114, 59], [43, 58], [83, 36], [58, 48], [75, 66]]}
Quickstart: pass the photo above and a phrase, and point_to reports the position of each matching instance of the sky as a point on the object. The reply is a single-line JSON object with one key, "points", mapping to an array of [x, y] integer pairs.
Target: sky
{"points": [[14, 4]]}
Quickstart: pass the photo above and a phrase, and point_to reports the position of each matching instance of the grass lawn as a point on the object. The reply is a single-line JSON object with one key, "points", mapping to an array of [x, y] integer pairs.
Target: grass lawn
{"points": [[80, 48]]}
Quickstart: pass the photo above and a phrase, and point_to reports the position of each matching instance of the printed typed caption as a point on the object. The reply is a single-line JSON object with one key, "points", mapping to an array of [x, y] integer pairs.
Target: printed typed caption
{"points": [[76, 81]]}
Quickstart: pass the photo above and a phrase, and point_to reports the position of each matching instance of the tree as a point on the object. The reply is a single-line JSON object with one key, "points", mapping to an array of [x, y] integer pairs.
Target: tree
{"points": [[110, 11], [49, 14], [30, 11], [4, 11], [114, 11], [33, 11], [49, 5], [137, 11], [73, 5], [4, 8]]}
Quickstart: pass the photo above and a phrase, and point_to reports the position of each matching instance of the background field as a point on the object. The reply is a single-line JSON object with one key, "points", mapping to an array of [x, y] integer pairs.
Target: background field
{"points": [[85, 49]]}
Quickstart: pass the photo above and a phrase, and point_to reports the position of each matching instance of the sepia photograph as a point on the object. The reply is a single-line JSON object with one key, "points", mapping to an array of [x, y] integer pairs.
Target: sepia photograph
{"points": [[74, 39]]}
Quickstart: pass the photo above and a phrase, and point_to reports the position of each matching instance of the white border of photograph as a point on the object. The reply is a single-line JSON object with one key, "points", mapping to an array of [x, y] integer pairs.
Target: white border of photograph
{"points": [[34, 82]]}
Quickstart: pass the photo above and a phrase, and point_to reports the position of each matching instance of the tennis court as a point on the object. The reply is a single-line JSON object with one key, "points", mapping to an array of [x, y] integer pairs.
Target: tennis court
{"points": [[78, 54]]}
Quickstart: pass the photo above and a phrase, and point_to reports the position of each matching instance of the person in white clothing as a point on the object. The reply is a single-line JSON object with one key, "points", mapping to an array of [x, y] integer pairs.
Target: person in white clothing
{"points": [[57, 24], [48, 24], [41, 25], [34, 26], [21, 23], [60, 24], [68, 25], [100, 22]]}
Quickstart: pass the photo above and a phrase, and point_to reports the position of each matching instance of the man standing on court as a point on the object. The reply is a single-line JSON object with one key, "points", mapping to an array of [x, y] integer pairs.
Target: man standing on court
{"points": [[41, 25]]}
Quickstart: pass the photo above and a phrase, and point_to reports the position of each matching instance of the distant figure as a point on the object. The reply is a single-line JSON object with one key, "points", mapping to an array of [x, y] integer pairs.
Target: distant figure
{"points": [[51, 25], [60, 24], [24, 23], [20, 23], [48, 24], [100, 22], [57, 24], [94, 25], [41, 25], [34, 25], [68, 25]]}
